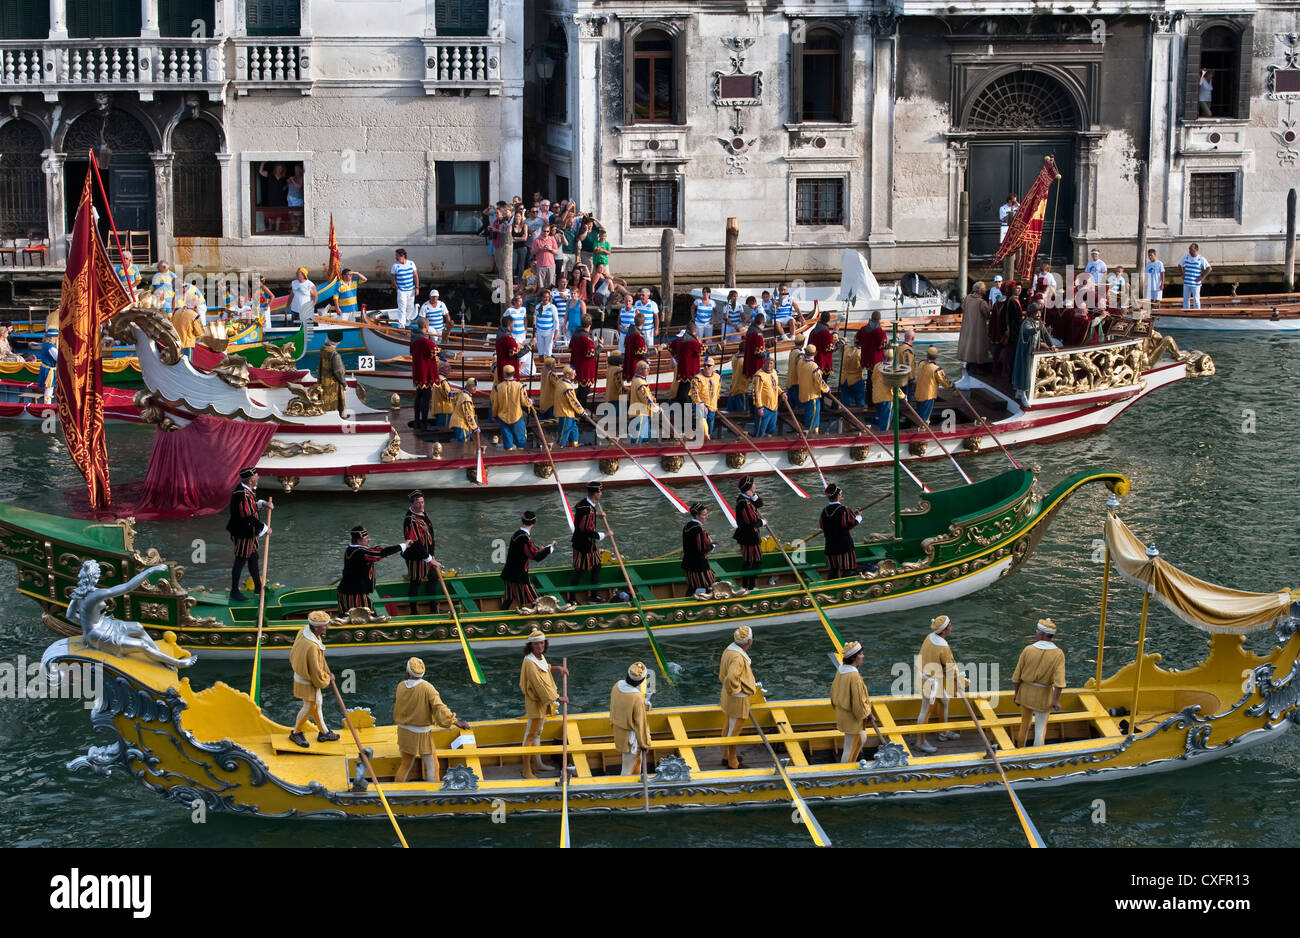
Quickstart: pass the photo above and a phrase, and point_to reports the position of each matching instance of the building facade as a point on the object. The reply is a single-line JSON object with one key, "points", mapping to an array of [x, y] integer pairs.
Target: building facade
{"points": [[860, 124], [234, 129]]}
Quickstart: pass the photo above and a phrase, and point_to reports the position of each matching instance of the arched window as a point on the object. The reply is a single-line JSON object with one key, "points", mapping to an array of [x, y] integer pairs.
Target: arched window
{"points": [[22, 184], [1023, 100], [819, 74], [1217, 80], [653, 78], [196, 181]]}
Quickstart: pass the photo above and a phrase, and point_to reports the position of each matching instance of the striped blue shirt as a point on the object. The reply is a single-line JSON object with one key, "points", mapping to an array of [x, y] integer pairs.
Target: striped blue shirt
{"points": [[626, 316], [517, 331], [561, 300], [703, 312], [1193, 268], [732, 312], [348, 296], [435, 314], [649, 308], [785, 308], [405, 275], [544, 319]]}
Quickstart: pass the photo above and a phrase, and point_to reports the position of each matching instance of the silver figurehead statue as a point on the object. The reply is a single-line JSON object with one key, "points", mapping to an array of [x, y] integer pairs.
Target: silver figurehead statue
{"points": [[88, 605]]}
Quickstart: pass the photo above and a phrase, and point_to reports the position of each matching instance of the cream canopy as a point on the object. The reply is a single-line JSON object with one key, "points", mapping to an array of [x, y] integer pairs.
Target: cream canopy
{"points": [[1208, 607]]}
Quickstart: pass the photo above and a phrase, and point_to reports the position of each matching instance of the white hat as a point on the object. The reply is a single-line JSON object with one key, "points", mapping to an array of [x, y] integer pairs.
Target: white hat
{"points": [[997, 279], [433, 293]]}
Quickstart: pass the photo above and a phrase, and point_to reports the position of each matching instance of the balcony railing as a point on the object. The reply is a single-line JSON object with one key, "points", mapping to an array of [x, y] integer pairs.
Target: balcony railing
{"points": [[456, 64], [283, 63], [143, 65]]}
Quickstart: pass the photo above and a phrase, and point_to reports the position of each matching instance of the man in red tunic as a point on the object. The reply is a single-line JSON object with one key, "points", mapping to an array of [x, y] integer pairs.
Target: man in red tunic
{"points": [[686, 350], [871, 341], [583, 352], [823, 340], [755, 347], [424, 371], [507, 349], [634, 348]]}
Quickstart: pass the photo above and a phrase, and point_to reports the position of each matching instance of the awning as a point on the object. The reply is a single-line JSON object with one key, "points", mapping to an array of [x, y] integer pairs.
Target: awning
{"points": [[1208, 607]]}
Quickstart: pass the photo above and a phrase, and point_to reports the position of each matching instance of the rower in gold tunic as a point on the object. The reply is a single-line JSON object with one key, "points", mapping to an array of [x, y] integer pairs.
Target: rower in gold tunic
{"points": [[613, 378], [537, 681], [738, 390], [1038, 679], [937, 674], [416, 710], [704, 390], [332, 378], [738, 685], [464, 422], [311, 675], [642, 408], [627, 717], [851, 702]]}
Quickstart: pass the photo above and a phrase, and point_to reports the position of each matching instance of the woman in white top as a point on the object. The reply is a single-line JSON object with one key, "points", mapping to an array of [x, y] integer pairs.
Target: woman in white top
{"points": [[304, 297]]}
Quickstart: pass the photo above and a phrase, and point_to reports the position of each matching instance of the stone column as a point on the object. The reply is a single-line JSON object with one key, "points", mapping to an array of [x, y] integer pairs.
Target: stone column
{"points": [[164, 248], [512, 100], [149, 18], [585, 144], [58, 19], [54, 210], [1163, 79], [884, 66], [229, 196], [1085, 215], [955, 161]]}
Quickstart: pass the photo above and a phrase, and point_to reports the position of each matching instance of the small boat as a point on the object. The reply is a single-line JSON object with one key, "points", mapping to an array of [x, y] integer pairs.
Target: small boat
{"points": [[1271, 312], [118, 371], [21, 400], [956, 542], [219, 747]]}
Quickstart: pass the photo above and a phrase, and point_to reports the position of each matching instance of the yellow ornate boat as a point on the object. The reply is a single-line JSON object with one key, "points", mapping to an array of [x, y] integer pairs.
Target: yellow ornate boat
{"points": [[217, 747]]}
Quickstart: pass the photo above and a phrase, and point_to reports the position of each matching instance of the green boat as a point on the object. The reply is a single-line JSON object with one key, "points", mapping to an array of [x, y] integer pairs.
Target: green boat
{"points": [[955, 542]]}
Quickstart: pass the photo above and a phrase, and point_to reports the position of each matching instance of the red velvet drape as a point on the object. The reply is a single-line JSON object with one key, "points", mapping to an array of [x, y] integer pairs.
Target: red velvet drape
{"points": [[192, 471]]}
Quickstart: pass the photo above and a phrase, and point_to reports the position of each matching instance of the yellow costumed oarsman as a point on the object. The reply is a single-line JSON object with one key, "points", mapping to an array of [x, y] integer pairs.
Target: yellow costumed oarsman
{"points": [[311, 675], [537, 681], [851, 702], [417, 708], [1039, 679], [738, 685], [936, 672], [627, 717]]}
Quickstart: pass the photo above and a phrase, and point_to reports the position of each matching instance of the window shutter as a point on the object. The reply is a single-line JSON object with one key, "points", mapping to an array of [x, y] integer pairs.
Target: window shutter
{"points": [[1245, 70], [845, 114], [629, 67], [79, 19], [1192, 74], [796, 82]]}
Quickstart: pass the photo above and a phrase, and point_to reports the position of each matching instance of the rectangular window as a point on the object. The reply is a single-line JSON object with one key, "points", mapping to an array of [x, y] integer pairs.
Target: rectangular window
{"points": [[462, 195], [277, 191], [1213, 195], [461, 17], [185, 18], [819, 202], [272, 18], [97, 19], [654, 203], [24, 19]]}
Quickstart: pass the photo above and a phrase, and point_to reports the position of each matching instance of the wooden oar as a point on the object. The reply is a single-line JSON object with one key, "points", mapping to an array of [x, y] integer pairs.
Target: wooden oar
{"points": [[646, 694], [717, 496], [1026, 823], [555, 474], [761, 455], [808, 446], [867, 430], [654, 643], [985, 424], [818, 835], [826, 623], [475, 672], [680, 505], [361, 752], [911, 411], [836, 660], [255, 691], [564, 759]]}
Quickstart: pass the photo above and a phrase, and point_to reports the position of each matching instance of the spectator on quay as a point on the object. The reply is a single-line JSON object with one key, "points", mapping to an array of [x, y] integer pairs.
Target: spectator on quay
{"points": [[996, 294], [1007, 212], [544, 250], [1155, 275], [1117, 289], [1195, 267], [600, 249], [519, 237], [1097, 269]]}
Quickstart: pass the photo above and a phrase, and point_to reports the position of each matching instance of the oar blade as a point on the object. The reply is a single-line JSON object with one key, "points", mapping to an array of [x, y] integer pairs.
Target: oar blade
{"points": [[722, 502], [1026, 822], [819, 836]]}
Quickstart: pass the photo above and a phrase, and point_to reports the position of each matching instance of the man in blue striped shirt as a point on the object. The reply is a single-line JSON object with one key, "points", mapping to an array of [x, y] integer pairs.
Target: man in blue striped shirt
{"points": [[1195, 267], [704, 315], [733, 316], [406, 280], [435, 313], [518, 321], [345, 300], [651, 309], [561, 298], [544, 322], [786, 310], [626, 316]]}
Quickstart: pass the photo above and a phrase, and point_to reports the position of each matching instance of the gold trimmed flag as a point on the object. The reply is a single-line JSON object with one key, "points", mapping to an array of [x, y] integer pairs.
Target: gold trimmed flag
{"points": [[1025, 233]]}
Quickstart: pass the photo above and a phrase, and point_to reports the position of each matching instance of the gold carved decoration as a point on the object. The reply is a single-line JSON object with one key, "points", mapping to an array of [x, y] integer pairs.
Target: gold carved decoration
{"points": [[394, 401], [306, 401], [280, 358], [671, 463], [608, 467], [155, 325], [547, 605], [156, 612], [1085, 370], [358, 615], [58, 626], [392, 452], [542, 470], [282, 450], [354, 482], [721, 589], [735, 460], [858, 453], [797, 457], [151, 410], [128, 530], [288, 483], [917, 447], [233, 370], [972, 444]]}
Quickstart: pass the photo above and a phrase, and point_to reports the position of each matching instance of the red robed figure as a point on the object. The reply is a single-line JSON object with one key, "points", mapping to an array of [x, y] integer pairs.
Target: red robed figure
{"points": [[1025, 233], [91, 295]]}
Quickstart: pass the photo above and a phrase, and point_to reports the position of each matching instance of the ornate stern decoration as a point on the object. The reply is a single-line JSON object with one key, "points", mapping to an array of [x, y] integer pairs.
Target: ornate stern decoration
{"points": [[154, 325], [721, 589], [459, 778], [1279, 696], [233, 370], [547, 605], [672, 769], [392, 452], [888, 756], [358, 615]]}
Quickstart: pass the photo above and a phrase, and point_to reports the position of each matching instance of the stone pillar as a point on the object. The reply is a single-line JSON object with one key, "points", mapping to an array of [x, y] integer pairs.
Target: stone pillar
{"points": [[1085, 215], [58, 19], [585, 142], [512, 101], [229, 196], [149, 18], [54, 209], [164, 248], [1163, 79], [955, 161], [884, 65]]}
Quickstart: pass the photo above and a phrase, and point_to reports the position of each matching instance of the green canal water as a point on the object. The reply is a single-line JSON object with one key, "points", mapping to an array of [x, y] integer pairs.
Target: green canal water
{"points": [[1214, 485]]}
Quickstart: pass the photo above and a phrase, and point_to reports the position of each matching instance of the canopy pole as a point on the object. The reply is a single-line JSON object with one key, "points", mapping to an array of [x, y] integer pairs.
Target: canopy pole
{"points": [[1111, 504], [1152, 553]]}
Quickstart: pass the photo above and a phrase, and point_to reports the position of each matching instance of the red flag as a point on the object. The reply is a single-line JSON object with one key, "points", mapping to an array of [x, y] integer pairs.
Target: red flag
{"points": [[1025, 233], [334, 270], [91, 294]]}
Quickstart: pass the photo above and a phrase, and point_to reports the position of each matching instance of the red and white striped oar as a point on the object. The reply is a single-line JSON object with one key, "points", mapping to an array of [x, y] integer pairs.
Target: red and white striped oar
{"points": [[480, 474], [677, 503], [717, 496], [555, 474], [761, 455]]}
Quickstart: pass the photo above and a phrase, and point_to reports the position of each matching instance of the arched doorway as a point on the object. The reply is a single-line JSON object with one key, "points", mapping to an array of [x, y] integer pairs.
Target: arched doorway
{"points": [[1018, 119], [196, 180], [128, 177], [22, 184]]}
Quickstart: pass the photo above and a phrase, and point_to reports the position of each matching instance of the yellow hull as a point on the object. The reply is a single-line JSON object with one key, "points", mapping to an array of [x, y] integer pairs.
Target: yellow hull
{"points": [[216, 746]]}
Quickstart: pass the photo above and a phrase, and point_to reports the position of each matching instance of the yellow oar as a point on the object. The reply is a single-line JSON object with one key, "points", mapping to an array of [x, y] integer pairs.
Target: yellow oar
{"points": [[1026, 823], [818, 835], [826, 623], [475, 672], [564, 760], [361, 751], [255, 690]]}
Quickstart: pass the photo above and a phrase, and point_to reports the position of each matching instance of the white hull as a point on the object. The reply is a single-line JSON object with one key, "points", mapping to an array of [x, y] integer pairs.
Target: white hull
{"points": [[1207, 324]]}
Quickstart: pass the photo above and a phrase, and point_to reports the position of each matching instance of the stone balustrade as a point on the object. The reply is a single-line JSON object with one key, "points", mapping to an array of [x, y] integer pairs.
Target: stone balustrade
{"points": [[143, 65], [459, 63]]}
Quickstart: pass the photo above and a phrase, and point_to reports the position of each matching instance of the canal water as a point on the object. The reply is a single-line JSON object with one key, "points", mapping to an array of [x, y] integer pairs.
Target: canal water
{"points": [[1214, 486]]}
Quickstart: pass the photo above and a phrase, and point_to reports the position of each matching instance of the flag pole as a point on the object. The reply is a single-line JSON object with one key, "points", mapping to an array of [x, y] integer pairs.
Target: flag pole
{"points": [[94, 165]]}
